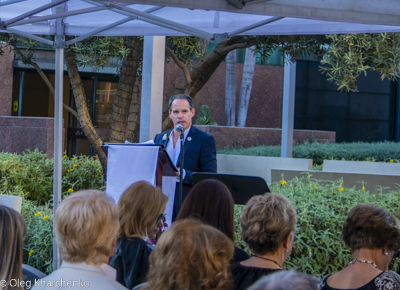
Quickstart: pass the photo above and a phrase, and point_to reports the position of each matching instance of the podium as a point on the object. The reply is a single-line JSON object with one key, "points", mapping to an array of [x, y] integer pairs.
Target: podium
{"points": [[129, 163], [242, 187]]}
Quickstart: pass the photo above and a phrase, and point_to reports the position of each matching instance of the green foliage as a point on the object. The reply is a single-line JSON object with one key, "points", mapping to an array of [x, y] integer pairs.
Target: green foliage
{"points": [[98, 51], [350, 55], [357, 151], [204, 117], [322, 208], [32, 174], [187, 48], [38, 244]]}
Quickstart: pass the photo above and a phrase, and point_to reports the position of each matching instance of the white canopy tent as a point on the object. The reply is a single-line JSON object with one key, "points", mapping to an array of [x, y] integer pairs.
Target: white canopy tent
{"points": [[214, 20]]}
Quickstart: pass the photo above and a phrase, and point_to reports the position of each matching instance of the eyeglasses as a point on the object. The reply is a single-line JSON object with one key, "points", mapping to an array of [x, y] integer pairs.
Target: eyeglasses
{"points": [[161, 218]]}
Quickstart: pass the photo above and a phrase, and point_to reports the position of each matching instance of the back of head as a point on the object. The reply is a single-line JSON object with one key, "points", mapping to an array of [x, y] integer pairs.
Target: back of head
{"points": [[139, 206], [12, 232], [266, 222], [284, 280], [211, 202], [86, 223], [191, 255], [369, 226]]}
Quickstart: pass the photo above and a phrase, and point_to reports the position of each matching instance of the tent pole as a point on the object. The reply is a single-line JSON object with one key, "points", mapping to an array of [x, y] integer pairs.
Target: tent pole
{"points": [[58, 127], [37, 38], [101, 29], [33, 12], [289, 86], [253, 26], [152, 87]]}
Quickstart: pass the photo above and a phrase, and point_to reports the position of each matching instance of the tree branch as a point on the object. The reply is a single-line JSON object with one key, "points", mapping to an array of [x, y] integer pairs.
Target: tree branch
{"points": [[42, 75], [180, 64]]}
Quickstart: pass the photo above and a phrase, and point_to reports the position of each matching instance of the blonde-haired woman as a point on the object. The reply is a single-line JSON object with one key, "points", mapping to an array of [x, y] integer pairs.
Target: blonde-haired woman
{"points": [[86, 226], [141, 213], [268, 226], [191, 256], [12, 232]]}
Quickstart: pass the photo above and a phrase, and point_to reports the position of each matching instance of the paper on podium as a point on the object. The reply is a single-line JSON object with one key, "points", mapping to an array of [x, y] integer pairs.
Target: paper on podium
{"points": [[129, 164]]}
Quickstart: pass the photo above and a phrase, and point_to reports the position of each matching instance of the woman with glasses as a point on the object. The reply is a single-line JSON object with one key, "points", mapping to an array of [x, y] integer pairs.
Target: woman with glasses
{"points": [[141, 215]]}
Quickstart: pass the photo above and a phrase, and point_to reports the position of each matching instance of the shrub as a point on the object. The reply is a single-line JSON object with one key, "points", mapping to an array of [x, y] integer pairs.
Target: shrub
{"points": [[322, 209], [38, 244], [318, 152], [32, 172], [204, 117], [30, 176]]}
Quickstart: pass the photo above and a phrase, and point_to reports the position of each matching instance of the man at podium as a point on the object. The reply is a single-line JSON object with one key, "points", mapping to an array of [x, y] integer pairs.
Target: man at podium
{"points": [[200, 152]]}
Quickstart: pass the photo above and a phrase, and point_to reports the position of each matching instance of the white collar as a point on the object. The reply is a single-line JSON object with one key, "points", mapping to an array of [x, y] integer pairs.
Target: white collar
{"points": [[102, 268], [171, 136]]}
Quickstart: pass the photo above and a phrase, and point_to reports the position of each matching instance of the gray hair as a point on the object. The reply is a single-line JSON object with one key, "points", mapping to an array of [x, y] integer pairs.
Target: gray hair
{"points": [[182, 97], [286, 280]]}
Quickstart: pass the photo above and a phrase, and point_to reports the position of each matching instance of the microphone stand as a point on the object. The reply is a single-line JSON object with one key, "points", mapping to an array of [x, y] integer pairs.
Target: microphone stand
{"points": [[181, 168]]}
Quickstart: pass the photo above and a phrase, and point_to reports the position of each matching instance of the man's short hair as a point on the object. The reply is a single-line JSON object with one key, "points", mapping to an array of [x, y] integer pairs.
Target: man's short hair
{"points": [[283, 280], [86, 224], [182, 97]]}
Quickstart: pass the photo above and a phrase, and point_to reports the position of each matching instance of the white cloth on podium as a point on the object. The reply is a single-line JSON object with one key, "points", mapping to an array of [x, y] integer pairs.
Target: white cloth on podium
{"points": [[128, 164]]}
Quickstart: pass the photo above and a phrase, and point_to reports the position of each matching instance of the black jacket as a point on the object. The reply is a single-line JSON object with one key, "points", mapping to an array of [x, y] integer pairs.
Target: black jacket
{"points": [[131, 260]]}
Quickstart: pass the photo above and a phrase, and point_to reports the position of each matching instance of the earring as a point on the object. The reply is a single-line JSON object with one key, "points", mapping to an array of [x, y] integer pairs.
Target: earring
{"points": [[286, 250], [386, 253]]}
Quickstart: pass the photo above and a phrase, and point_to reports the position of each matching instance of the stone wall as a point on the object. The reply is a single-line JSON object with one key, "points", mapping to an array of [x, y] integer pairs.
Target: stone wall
{"points": [[248, 137], [20, 133]]}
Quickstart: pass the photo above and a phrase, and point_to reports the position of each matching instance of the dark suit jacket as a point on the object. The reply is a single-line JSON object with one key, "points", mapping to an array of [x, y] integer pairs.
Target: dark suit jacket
{"points": [[200, 155]]}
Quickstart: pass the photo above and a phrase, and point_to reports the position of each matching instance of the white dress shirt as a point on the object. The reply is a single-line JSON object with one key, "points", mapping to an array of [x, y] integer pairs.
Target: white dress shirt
{"points": [[174, 153]]}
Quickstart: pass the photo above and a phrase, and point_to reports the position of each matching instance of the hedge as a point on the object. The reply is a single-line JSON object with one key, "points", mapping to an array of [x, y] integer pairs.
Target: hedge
{"points": [[322, 209], [318, 152]]}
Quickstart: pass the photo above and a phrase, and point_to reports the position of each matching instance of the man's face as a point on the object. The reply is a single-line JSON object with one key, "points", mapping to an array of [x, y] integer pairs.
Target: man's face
{"points": [[181, 113]]}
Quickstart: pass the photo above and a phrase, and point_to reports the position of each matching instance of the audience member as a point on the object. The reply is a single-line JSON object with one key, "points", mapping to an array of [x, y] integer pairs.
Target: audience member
{"points": [[286, 280], [268, 226], [211, 202], [141, 214], [12, 232], [86, 226], [191, 256], [373, 234]]}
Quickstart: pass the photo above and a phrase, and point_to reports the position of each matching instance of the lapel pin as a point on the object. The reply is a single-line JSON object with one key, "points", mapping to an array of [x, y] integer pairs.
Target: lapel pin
{"points": [[165, 137], [189, 138]]}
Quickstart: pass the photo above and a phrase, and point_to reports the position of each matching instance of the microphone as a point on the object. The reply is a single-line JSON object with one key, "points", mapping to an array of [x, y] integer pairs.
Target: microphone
{"points": [[179, 128]]}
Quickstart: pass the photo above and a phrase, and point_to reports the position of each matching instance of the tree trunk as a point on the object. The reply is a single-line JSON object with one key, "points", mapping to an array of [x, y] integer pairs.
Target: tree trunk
{"points": [[230, 89], [123, 96], [134, 113], [247, 84], [83, 113]]}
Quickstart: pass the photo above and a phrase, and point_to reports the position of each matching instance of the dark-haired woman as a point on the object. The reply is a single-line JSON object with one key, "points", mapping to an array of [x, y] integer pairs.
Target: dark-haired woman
{"points": [[373, 234], [211, 202]]}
